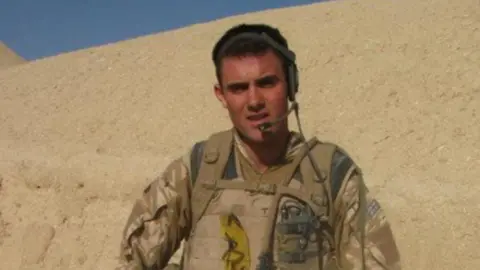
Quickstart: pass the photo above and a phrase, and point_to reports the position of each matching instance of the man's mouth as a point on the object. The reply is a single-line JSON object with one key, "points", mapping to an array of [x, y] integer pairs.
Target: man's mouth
{"points": [[258, 119]]}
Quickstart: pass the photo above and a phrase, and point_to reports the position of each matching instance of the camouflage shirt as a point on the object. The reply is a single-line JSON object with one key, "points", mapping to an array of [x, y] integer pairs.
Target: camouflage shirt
{"points": [[160, 218]]}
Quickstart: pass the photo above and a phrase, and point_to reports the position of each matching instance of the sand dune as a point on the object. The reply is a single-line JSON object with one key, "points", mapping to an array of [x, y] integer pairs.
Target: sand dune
{"points": [[8, 57], [395, 82]]}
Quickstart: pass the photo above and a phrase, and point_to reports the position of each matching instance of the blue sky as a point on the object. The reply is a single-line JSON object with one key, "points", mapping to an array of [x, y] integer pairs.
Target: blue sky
{"points": [[36, 29]]}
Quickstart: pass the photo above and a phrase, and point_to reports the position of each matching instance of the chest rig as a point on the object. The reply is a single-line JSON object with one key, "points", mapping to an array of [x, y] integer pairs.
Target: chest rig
{"points": [[213, 165]]}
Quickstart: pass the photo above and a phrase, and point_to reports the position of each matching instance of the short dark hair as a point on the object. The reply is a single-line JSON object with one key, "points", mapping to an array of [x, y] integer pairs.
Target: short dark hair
{"points": [[247, 45]]}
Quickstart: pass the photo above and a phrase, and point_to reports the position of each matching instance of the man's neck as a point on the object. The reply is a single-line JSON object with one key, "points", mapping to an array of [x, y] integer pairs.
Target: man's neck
{"points": [[265, 155]]}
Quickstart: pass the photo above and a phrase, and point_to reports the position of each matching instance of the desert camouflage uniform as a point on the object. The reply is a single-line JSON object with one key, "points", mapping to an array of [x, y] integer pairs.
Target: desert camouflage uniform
{"points": [[162, 219]]}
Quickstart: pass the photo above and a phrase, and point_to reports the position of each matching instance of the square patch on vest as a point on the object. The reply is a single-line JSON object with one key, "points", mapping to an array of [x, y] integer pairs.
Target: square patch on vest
{"points": [[373, 208]]}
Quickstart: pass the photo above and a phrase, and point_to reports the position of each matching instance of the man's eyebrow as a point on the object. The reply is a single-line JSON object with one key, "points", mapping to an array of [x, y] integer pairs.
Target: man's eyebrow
{"points": [[270, 78], [236, 85]]}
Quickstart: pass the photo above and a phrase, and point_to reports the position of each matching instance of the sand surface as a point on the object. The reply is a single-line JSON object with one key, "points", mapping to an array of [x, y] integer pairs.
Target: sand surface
{"points": [[395, 82], [8, 57]]}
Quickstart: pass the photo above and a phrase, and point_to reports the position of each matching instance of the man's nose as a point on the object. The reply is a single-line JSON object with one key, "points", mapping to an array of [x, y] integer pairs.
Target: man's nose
{"points": [[255, 99]]}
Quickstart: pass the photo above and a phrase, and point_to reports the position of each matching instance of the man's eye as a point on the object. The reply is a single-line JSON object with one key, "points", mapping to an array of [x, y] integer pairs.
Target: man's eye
{"points": [[238, 87], [267, 82]]}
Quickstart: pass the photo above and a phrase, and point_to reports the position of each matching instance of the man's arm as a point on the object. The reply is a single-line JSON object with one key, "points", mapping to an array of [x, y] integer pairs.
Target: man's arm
{"points": [[381, 251], [159, 220]]}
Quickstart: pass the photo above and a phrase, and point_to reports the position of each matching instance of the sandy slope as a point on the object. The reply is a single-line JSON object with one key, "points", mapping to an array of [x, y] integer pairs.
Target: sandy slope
{"points": [[8, 57], [395, 82]]}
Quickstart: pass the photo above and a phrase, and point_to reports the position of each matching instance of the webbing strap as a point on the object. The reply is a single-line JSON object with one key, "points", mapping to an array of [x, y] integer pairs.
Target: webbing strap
{"points": [[213, 155], [341, 163], [266, 256], [195, 160]]}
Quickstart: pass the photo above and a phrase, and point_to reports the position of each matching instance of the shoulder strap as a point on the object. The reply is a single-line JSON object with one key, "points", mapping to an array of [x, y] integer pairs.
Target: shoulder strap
{"points": [[282, 189], [340, 167], [336, 167], [195, 160], [341, 170], [319, 188], [208, 161]]}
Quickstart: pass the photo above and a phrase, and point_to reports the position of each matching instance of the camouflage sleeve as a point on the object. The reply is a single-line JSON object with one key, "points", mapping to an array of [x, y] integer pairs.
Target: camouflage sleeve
{"points": [[159, 221], [380, 249]]}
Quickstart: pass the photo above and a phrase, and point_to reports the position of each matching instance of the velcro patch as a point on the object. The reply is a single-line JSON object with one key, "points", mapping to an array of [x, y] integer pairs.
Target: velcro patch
{"points": [[373, 208]]}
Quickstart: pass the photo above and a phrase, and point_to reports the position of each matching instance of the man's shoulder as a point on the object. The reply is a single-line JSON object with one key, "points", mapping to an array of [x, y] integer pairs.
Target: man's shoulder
{"points": [[212, 144], [340, 164], [340, 159]]}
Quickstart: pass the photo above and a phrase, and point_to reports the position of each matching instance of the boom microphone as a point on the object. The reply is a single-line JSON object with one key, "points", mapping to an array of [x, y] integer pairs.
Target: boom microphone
{"points": [[263, 127]]}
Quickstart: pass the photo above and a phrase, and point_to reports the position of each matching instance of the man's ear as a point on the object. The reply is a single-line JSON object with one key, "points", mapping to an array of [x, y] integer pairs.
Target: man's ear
{"points": [[219, 94]]}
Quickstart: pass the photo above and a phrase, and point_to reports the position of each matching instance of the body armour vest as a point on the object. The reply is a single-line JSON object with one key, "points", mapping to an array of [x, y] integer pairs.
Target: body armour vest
{"points": [[279, 223]]}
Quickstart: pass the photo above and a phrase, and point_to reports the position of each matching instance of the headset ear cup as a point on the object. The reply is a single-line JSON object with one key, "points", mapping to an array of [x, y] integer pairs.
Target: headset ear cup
{"points": [[292, 81]]}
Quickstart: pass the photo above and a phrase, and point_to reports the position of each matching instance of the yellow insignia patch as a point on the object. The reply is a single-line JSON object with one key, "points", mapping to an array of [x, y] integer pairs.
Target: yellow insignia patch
{"points": [[237, 256]]}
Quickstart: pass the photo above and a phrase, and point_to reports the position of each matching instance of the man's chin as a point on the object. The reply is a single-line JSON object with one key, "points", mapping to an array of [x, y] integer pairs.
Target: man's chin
{"points": [[255, 135]]}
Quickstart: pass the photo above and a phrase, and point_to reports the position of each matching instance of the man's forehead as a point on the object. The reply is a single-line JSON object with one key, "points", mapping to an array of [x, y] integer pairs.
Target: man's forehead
{"points": [[250, 65]]}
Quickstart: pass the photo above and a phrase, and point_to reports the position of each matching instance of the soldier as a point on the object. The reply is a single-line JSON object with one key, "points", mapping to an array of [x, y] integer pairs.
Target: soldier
{"points": [[258, 196]]}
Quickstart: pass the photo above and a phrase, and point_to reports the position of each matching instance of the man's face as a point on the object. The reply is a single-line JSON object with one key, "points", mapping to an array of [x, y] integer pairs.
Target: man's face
{"points": [[253, 90]]}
